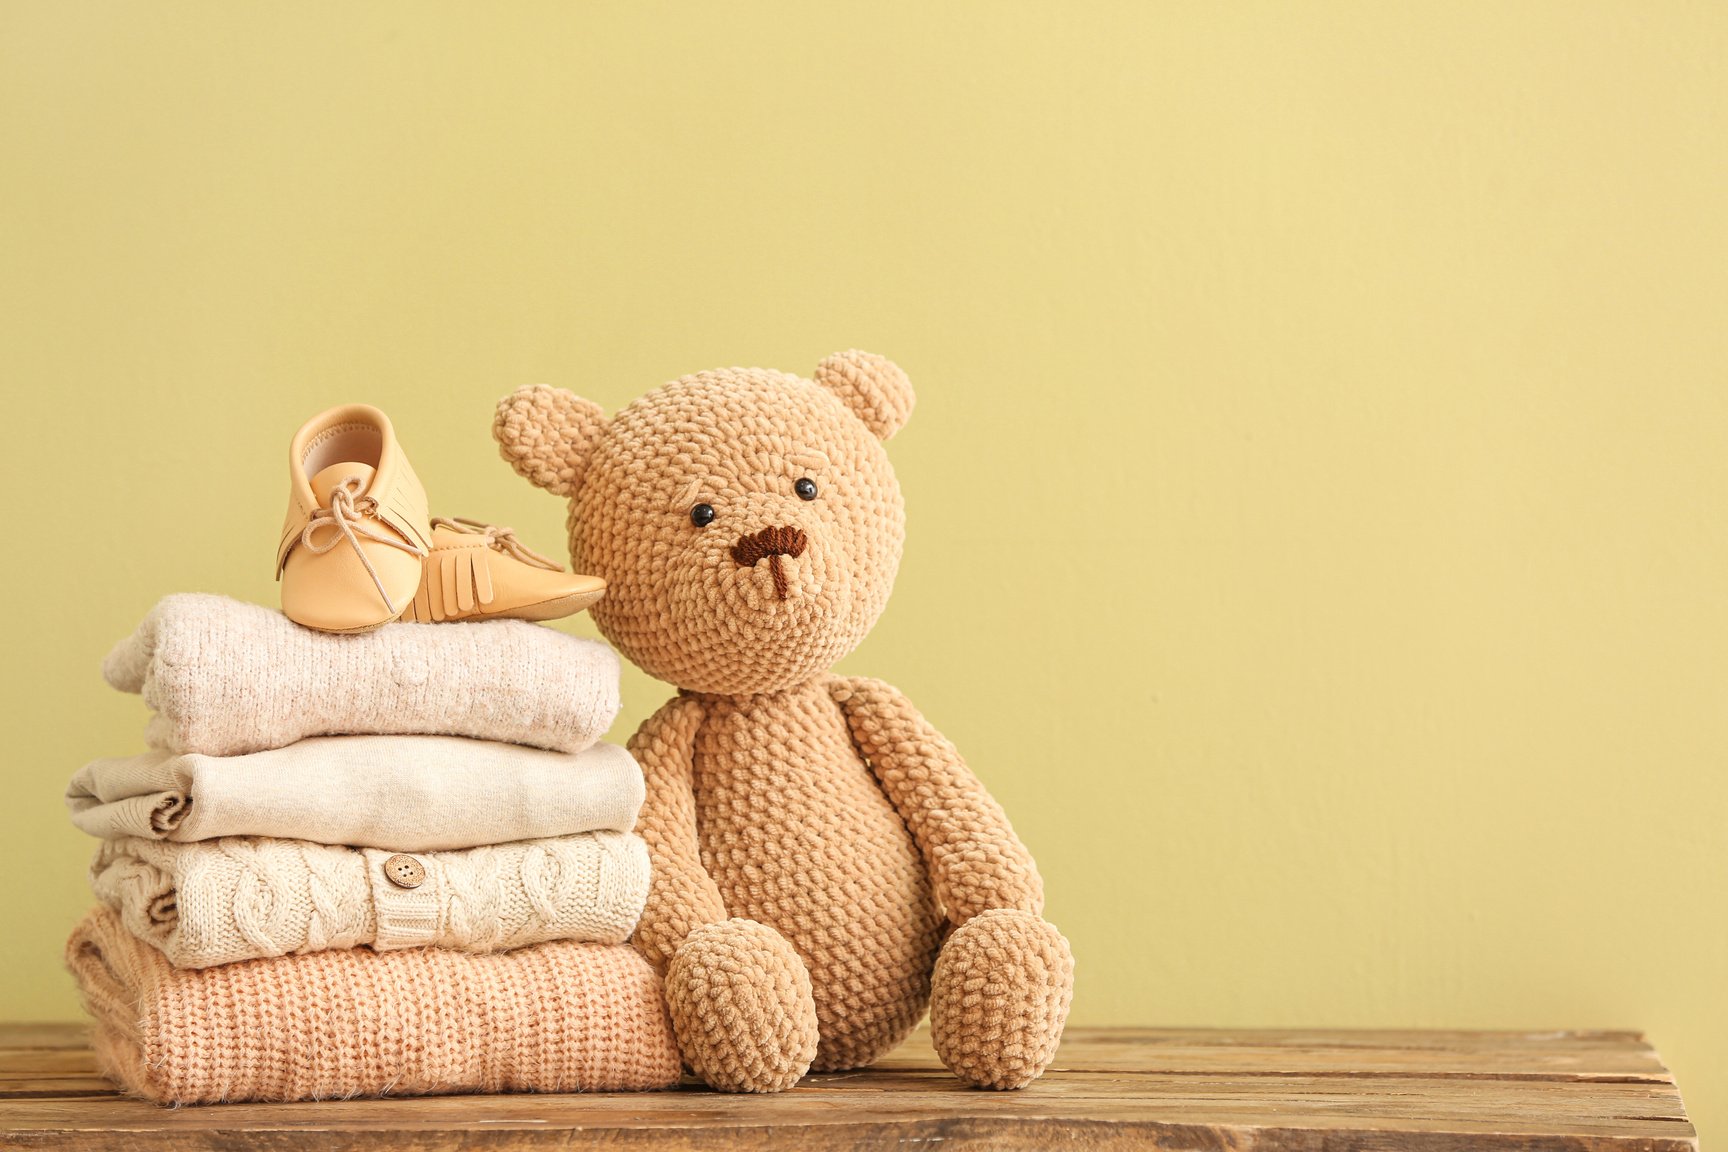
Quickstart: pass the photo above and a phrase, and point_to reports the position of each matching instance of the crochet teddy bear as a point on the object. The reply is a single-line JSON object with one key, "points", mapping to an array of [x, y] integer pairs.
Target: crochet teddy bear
{"points": [[825, 864]]}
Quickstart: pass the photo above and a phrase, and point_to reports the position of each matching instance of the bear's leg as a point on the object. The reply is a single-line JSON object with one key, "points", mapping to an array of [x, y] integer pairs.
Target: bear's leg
{"points": [[741, 1007], [1000, 995]]}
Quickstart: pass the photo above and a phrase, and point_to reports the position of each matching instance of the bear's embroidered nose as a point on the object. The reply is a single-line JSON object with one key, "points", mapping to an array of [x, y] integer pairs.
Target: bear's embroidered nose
{"points": [[772, 543]]}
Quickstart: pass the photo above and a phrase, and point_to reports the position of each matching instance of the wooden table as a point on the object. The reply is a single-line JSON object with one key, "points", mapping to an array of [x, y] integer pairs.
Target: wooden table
{"points": [[1317, 1091]]}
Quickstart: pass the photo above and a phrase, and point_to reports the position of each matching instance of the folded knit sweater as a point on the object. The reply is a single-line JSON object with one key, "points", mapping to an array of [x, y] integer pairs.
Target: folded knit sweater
{"points": [[558, 1017], [219, 901], [407, 793], [226, 678]]}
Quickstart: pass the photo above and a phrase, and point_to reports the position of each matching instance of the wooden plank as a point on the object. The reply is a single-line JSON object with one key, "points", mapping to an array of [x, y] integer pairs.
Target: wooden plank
{"points": [[1579, 1055], [944, 1134], [47, 1035], [1517, 1105], [1301, 1091], [1602, 1062], [1307, 1053], [47, 1060]]}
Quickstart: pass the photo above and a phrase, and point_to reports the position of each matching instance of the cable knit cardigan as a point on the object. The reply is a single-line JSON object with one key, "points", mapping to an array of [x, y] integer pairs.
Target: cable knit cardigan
{"points": [[558, 1017], [225, 678], [219, 901]]}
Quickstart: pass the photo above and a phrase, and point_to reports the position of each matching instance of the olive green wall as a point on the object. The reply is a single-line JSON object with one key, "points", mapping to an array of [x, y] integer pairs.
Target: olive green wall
{"points": [[1316, 489]]}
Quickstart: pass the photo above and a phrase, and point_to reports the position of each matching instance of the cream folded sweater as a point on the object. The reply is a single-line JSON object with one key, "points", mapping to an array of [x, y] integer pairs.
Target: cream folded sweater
{"points": [[225, 678], [218, 901], [558, 1017], [407, 793]]}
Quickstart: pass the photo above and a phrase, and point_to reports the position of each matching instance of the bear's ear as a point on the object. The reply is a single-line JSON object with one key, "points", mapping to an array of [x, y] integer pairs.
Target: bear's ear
{"points": [[548, 435], [872, 386]]}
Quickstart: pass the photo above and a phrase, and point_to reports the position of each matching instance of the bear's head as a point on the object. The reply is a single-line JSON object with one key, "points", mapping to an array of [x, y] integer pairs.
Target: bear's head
{"points": [[747, 522]]}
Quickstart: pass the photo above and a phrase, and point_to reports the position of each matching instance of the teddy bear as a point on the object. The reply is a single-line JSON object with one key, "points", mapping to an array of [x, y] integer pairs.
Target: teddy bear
{"points": [[825, 865]]}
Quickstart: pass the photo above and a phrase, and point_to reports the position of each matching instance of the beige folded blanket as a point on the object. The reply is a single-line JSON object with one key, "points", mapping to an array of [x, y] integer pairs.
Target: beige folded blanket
{"points": [[407, 793], [218, 901], [226, 678], [559, 1017]]}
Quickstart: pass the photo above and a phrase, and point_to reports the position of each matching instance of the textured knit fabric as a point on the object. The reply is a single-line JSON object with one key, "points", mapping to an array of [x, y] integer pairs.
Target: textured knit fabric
{"points": [[992, 1040], [225, 678], [678, 602], [559, 1017], [218, 901], [856, 903], [742, 1007], [407, 793], [814, 839]]}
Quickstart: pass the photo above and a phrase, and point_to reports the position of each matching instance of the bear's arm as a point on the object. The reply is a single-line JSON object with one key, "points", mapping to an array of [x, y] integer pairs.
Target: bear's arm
{"points": [[976, 862], [681, 895]]}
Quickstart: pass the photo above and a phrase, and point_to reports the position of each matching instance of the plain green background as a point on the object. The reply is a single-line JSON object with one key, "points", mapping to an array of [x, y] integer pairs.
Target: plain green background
{"points": [[1316, 490]]}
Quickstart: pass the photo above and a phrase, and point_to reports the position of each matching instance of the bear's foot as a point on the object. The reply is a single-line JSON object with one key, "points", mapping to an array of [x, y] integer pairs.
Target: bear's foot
{"points": [[742, 1008], [999, 998]]}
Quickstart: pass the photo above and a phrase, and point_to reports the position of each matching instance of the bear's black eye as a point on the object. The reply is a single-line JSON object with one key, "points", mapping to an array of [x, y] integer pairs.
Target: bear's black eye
{"points": [[806, 489], [702, 515]]}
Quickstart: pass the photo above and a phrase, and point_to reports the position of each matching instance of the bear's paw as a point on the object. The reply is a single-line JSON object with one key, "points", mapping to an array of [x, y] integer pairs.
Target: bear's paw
{"points": [[742, 1007], [999, 998]]}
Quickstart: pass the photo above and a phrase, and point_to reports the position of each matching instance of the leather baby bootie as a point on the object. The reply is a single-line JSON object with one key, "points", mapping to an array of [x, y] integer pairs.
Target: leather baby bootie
{"points": [[357, 534], [480, 572]]}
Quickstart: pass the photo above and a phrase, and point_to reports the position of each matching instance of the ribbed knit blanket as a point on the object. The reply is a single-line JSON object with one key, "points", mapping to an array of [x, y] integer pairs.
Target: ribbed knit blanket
{"points": [[225, 678], [559, 1017], [406, 793], [218, 901]]}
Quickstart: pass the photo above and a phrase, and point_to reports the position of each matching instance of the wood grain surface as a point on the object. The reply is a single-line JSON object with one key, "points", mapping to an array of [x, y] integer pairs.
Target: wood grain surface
{"points": [[1109, 1089]]}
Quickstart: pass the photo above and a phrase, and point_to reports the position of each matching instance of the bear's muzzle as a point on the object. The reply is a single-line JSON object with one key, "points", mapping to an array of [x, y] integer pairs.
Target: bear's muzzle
{"points": [[771, 543]]}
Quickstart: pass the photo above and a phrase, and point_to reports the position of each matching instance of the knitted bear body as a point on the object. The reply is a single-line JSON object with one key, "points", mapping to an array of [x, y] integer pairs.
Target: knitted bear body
{"points": [[824, 862], [848, 891]]}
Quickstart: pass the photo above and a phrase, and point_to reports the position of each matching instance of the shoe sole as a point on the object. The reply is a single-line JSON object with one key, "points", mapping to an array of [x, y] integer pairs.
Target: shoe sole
{"points": [[361, 631], [554, 609], [370, 627]]}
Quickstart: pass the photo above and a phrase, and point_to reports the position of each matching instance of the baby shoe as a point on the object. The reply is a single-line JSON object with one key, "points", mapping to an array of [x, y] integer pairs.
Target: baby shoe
{"points": [[479, 572], [356, 537]]}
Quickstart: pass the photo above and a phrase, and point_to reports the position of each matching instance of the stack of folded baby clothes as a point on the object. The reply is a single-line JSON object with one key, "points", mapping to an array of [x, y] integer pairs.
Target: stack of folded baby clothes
{"points": [[397, 862]]}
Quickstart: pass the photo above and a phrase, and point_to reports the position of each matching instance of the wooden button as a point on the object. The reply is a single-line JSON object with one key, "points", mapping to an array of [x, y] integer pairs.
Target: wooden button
{"points": [[404, 871]]}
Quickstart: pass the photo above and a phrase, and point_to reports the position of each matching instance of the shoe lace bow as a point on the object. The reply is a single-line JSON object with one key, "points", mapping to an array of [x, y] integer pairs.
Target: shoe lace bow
{"points": [[500, 539], [349, 515]]}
